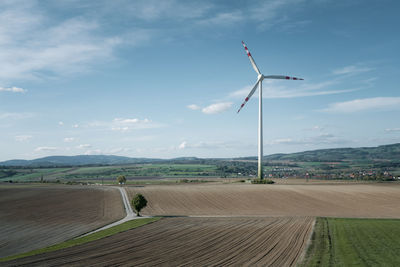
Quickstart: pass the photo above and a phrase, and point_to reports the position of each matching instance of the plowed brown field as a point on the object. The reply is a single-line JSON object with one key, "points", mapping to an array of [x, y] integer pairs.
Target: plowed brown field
{"points": [[337, 200], [237, 224], [191, 242], [33, 216]]}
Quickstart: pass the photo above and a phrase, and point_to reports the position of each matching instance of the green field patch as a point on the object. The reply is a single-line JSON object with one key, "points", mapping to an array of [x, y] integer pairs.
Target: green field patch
{"points": [[85, 239], [140, 170], [23, 175], [354, 242]]}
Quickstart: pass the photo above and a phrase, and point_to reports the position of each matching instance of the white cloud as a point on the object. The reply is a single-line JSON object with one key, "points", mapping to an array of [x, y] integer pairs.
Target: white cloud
{"points": [[293, 26], [93, 152], [268, 10], [376, 103], [391, 130], [151, 10], [75, 126], [60, 123], [183, 145], [15, 115], [120, 129], [213, 108], [125, 124], [84, 146], [315, 128], [23, 138], [241, 92], [69, 139], [45, 148], [217, 108], [321, 139], [193, 107], [127, 121], [12, 89], [38, 44], [281, 141], [351, 70], [223, 19], [211, 145], [118, 150], [275, 89], [98, 124], [274, 13], [130, 121], [35, 46], [369, 81]]}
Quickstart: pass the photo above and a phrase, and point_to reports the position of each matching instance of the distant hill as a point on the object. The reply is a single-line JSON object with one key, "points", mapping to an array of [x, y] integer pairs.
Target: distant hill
{"points": [[79, 160], [385, 153]]}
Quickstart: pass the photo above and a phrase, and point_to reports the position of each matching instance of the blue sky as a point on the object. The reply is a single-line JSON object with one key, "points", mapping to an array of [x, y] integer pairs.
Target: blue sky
{"points": [[164, 79]]}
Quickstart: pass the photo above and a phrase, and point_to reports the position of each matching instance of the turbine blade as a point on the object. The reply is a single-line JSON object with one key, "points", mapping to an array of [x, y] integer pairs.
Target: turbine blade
{"points": [[250, 94], [282, 77], [253, 63]]}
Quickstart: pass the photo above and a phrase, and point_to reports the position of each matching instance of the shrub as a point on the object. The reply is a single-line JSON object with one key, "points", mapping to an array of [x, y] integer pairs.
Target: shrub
{"points": [[262, 181], [138, 203], [121, 179]]}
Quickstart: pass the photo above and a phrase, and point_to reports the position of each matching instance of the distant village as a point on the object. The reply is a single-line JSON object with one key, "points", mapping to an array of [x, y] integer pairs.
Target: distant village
{"points": [[373, 175], [321, 171]]}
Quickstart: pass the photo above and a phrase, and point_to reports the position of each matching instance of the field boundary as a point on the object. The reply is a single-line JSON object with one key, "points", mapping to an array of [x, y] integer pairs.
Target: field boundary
{"points": [[303, 254], [130, 215], [188, 241], [354, 242], [87, 238]]}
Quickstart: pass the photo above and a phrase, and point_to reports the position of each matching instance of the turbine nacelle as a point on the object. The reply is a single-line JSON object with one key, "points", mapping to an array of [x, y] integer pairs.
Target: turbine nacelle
{"points": [[261, 77]]}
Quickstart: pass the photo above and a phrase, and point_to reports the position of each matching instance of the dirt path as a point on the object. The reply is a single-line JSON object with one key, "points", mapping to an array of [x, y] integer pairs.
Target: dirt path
{"points": [[127, 204], [262, 241], [130, 215]]}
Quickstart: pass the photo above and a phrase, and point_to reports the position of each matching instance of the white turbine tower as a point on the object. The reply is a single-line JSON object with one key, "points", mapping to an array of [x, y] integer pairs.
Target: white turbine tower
{"points": [[260, 78]]}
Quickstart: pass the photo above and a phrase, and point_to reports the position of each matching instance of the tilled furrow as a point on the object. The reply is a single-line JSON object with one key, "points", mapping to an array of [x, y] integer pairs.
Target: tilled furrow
{"points": [[191, 241]]}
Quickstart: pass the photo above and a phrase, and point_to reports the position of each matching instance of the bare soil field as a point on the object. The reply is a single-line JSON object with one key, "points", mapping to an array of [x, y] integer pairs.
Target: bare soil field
{"points": [[295, 181], [35, 216], [193, 242], [333, 200]]}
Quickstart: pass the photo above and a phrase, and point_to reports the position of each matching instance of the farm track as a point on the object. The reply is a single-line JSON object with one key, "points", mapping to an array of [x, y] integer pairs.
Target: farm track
{"points": [[335, 200], [36, 216], [130, 215], [179, 241]]}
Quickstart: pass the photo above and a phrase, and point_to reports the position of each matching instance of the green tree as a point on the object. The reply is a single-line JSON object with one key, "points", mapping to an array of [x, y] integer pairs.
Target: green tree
{"points": [[121, 179], [138, 203]]}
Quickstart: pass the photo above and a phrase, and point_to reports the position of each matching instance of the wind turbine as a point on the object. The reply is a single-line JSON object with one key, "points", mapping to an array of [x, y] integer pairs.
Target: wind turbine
{"points": [[260, 79]]}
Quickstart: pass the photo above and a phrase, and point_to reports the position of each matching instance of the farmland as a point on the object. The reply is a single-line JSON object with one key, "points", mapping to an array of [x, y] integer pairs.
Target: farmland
{"points": [[33, 216], [171, 172], [333, 200], [355, 242], [372, 164], [107, 173], [190, 241], [214, 223]]}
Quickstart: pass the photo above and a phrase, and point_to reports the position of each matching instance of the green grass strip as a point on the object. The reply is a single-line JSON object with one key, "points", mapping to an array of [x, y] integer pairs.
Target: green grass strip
{"points": [[354, 242], [82, 240]]}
